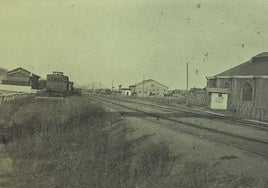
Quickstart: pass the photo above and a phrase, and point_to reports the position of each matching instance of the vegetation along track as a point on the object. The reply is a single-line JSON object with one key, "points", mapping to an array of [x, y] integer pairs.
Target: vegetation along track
{"points": [[251, 145]]}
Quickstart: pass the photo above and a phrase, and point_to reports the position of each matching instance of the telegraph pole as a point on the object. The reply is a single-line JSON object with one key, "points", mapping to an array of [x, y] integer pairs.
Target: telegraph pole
{"points": [[143, 87], [112, 85], [187, 82], [94, 87], [187, 76]]}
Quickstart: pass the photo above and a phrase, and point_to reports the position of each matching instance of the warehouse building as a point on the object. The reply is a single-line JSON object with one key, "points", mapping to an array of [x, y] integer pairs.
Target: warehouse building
{"points": [[147, 88], [21, 77], [242, 89]]}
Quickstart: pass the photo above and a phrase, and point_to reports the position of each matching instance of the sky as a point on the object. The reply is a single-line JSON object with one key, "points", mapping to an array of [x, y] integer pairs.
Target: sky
{"points": [[120, 41]]}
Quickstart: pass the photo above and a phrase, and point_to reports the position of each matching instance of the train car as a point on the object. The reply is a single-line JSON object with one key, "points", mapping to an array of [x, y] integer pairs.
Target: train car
{"points": [[103, 91], [58, 84]]}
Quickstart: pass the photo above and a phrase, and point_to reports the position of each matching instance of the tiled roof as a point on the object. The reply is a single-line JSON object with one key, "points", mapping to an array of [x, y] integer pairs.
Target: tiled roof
{"points": [[257, 66]]}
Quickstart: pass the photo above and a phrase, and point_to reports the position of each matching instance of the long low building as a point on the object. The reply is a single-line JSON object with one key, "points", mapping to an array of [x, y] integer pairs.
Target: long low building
{"points": [[147, 88]]}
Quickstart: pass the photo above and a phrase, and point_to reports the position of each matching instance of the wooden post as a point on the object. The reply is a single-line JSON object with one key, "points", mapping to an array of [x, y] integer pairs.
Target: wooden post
{"points": [[187, 82], [143, 87], [187, 76]]}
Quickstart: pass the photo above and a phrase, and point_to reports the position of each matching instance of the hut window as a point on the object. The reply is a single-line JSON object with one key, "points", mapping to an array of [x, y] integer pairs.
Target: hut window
{"points": [[226, 85], [247, 92]]}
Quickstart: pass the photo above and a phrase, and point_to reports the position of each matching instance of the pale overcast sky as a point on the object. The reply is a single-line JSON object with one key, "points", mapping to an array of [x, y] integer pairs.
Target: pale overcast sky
{"points": [[122, 40]]}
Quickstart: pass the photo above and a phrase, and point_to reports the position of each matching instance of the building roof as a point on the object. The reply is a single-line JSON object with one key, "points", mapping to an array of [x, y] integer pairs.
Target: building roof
{"points": [[256, 66], [23, 71], [263, 54], [144, 81]]}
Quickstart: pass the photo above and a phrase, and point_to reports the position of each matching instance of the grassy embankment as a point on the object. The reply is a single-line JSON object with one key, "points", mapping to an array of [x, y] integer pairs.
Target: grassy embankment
{"points": [[76, 143]]}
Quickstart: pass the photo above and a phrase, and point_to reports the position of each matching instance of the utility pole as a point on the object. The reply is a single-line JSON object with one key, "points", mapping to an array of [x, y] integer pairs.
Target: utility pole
{"points": [[143, 87], [187, 82], [187, 76], [94, 87], [112, 85]]}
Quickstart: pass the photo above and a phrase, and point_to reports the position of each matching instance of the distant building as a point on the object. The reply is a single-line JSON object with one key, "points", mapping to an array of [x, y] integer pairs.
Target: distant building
{"points": [[126, 91], [178, 93], [243, 88], [3, 74], [21, 77], [148, 87]]}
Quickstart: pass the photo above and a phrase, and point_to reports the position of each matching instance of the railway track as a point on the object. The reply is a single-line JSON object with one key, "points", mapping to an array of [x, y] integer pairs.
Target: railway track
{"points": [[248, 144], [227, 119]]}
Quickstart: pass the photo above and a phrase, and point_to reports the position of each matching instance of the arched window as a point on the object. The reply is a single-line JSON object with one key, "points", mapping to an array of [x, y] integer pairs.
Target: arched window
{"points": [[226, 85], [247, 92]]}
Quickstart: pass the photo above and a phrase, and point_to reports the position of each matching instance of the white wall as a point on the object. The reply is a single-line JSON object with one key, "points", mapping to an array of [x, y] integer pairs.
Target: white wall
{"points": [[126, 92], [219, 102]]}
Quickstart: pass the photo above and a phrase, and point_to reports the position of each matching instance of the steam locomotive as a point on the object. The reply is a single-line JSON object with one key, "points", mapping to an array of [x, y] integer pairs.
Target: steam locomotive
{"points": [[57, 84]]}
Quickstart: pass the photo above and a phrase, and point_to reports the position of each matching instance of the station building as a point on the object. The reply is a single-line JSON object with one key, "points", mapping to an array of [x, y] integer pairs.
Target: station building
{"points": [[242, 89]]}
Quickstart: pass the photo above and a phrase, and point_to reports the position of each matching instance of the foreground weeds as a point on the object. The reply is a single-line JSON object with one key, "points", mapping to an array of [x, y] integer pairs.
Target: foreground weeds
{"points": [[76, 143]]}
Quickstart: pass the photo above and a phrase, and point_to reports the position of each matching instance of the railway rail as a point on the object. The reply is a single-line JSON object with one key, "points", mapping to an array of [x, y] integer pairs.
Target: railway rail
{"points": [[227, 119], [248, 144]]}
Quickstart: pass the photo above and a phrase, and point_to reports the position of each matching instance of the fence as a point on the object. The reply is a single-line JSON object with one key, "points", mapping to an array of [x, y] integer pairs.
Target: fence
{"points": [[256, 113], [197, 99], [13, 97]]}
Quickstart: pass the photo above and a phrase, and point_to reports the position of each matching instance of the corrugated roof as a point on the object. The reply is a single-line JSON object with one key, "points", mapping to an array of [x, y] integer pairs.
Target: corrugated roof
{"points": [[257, 66]]}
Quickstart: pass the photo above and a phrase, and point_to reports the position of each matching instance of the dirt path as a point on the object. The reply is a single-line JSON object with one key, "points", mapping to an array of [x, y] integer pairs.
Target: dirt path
{"points": [[206, 160]]}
